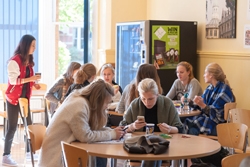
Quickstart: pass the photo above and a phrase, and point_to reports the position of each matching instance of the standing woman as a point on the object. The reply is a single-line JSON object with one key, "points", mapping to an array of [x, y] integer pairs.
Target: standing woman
{"points": [[21, 78], [186, 83], [56, 93], [212, 102]]}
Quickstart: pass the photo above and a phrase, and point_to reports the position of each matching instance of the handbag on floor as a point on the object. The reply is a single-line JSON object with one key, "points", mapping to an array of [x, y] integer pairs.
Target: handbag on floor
{"points": [[146, 144]]}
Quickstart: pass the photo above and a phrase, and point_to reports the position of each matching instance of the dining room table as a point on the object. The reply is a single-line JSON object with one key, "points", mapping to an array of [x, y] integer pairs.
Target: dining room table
{"points": [[182, 146]]}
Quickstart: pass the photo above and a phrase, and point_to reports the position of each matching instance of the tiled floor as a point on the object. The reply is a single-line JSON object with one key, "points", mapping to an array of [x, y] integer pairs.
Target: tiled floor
{"points": [[17, 150]]}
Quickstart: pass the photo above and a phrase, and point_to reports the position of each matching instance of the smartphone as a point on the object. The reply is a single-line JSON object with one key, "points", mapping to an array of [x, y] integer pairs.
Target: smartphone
{"points": [[125, 128], [141, 118]]}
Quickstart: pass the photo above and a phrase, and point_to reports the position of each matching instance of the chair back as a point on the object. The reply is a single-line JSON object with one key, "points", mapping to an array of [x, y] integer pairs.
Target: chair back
{"points": [[241, 116], [234, 160], [3, 88], [227, 108], [23, 103], [232, 135], [74, 156], [36, 133]]}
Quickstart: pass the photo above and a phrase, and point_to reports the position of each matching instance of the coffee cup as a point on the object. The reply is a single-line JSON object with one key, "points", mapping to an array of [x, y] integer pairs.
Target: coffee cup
{"points": [[150, 128]]}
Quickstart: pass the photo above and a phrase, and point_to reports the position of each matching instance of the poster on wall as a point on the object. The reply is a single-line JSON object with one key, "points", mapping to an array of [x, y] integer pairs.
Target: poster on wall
{"points": [[165, 46], [247, 36], [220, 19]]}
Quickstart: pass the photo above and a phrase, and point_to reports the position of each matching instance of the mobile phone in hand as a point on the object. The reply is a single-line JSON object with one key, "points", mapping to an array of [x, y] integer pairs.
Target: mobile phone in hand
{"points": [[141, 118]]}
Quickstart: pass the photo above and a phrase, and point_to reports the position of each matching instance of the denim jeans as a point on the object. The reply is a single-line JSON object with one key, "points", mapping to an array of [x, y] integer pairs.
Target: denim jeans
{"points": [[101, 162], [12, 114]]}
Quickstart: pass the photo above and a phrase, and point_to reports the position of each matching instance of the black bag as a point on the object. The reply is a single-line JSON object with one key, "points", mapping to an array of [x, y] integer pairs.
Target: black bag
{"points": [[146, 144], [213, 160]]}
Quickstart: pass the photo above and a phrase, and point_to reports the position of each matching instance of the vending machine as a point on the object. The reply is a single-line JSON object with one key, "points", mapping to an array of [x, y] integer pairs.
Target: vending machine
{"points": [[162, 43]]}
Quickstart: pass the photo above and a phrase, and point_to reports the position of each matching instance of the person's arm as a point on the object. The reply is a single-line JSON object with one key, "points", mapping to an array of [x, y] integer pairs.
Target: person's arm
{"points": [[194, 88], [216, 109], [56, 88], [82, 131], [121, 105], [14, 73], [172, 92]]}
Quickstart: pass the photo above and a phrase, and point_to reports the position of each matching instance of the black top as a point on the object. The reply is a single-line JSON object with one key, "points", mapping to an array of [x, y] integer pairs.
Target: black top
{"points": [[76, 86], [26, 85], [151, 117]]}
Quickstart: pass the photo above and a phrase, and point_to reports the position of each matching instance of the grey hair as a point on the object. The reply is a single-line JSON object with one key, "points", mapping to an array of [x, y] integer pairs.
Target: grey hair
{"points": [[148, 85]]}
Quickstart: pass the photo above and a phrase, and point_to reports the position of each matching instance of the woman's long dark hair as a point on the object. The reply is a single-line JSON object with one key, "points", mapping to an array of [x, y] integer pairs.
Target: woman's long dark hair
{"points": [[23, 49]]}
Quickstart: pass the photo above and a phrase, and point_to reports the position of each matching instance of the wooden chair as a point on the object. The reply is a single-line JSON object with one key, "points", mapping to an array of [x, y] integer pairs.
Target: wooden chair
{"points": [[36, 133], [23, 103], [43, 107], [3, 113], [234, 160], [227, 108], [74, 156], [242, 116], [232, 135]]}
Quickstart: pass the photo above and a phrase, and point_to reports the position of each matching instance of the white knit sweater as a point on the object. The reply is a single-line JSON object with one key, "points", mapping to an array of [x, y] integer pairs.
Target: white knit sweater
{"points": [[69, 123]]}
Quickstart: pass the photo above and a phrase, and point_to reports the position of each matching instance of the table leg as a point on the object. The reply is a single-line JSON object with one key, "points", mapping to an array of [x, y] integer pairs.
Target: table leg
{"points": [[46, 115], [92, 161], [113, 162], [175, 163]]}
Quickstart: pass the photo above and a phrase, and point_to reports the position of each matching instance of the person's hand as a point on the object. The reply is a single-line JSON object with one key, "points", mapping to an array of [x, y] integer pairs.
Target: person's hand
{"points": [[119, 132], [199, 101], [156, 65], [37, 86], [138, 125], [116, 88], [35, 78], [165, 128], [182, 99]]}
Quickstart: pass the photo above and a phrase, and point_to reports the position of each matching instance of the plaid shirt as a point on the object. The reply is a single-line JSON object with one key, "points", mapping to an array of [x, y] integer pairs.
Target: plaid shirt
{"points": [[215, 98]]}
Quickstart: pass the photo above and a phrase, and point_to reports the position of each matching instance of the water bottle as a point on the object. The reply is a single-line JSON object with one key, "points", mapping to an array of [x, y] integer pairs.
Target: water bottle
{"points": [[186, 103]]}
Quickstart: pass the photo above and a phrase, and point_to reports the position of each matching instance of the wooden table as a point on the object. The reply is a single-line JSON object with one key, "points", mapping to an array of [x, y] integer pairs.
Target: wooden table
{"points": [[189, 113], [180, 148]]}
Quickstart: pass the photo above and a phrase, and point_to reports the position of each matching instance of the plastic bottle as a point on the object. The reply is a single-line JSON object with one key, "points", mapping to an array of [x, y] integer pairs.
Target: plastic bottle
{"points": [[185, 103]]}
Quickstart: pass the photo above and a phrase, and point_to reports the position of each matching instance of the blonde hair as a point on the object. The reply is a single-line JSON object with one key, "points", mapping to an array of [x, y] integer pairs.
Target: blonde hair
{"points": [[107, 66], [216, 71], [189, 68], [97, 94], [148, 85], [85, 72]]}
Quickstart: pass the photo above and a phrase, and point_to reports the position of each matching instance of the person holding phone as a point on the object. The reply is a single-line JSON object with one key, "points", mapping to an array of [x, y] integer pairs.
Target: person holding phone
{"points": [[81, 117], [21, 79], [156, 109]]}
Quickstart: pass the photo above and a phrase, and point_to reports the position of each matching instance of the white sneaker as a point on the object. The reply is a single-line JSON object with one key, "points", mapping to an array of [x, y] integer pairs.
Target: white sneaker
{"points": [[28, 156], [8, 161]]}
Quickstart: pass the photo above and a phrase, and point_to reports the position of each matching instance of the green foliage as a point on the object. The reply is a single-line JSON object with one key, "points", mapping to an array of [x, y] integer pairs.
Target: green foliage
{"points": [[71, 11], [64, 58]]}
